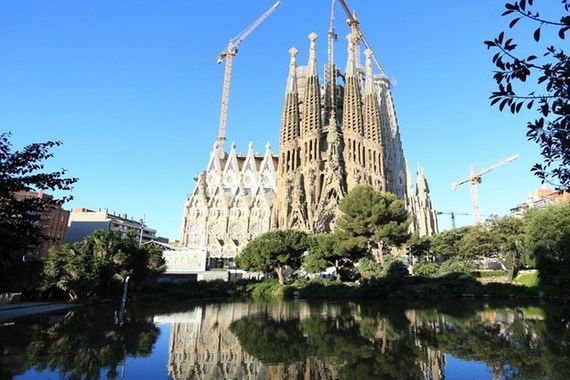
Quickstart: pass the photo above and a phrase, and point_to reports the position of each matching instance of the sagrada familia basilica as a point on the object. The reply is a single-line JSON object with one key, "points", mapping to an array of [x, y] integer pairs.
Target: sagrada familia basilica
{"points": [[334, 136]]}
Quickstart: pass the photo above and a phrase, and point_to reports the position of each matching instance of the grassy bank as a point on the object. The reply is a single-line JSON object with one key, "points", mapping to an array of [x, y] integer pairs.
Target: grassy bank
{"points": [[451, 286]]}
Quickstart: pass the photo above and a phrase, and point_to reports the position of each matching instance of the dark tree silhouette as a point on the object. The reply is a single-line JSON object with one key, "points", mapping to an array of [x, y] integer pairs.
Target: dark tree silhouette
{"points": [[22, 170], [551, 95]]}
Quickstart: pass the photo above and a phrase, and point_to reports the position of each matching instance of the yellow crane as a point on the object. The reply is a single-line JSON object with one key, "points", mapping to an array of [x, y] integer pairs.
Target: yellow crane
{"points": [[228, 55], [355, 26], [474, 180]]}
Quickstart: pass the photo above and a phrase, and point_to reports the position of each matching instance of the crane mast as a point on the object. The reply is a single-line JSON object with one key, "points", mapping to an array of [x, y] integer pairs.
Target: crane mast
{"points": [[228, 55], [452, 214], [475, 179]]}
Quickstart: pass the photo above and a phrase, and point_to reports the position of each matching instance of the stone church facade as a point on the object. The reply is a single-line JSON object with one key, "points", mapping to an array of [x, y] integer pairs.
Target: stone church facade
{"points": [[333, 137]]}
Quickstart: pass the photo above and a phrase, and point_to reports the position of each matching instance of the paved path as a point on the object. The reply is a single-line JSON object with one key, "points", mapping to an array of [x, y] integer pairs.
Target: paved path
{"points": [[24, 309]]}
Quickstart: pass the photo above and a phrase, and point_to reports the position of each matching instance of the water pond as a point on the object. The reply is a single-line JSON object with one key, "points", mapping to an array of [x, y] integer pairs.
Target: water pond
{"points": [[292, 340]]}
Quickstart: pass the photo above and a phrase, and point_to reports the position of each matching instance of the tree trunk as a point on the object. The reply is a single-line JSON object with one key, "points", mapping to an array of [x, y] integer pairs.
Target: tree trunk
{"points": [[381, 251], [514, 267], [384, 337], [337, 273], [279, 271]]}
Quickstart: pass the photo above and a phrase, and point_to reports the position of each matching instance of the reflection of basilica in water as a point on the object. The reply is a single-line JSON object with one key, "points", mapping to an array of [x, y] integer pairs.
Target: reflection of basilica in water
{"points": [[203, 346]]}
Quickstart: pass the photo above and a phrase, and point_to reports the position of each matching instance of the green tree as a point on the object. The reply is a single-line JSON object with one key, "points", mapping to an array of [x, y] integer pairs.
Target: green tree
{"points": [[508, 233], [547, 233], [97, 266], [326, 250], [419, 246], [273, 251], [321, 253], [478, 241], [550, 96], [371, 219], [446, 243], [23, 171]]}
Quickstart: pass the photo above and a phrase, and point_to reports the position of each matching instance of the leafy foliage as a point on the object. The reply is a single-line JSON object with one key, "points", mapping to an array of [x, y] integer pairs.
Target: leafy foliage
{"points": [[446, 244], [273, 251], [323, 252], [326, 250], [551, 99], [425, 269], [369, 218], [508, 233], [419, 246], [22, 171], [457, 265], [397, 270], [478, 241], [548, 240], [369, 268], [96, 266]]}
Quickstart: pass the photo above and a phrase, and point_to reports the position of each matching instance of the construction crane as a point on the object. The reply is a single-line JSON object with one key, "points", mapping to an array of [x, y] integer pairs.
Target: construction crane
{"points": [[474, 180], [355, 26], [228, 55], [452, 214]]}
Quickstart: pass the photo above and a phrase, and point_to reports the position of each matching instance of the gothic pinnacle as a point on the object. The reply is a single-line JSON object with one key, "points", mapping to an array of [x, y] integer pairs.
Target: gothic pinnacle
{"points": [[292, 79], [351, 64], [312, 71], [369, 86]]}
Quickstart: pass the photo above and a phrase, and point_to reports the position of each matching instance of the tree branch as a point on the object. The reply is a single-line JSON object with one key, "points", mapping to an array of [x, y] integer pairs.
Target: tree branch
{"points": [[500, 46], [529, 15]]}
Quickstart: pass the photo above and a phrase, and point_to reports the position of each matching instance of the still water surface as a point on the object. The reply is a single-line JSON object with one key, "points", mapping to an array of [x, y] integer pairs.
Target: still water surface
{"points": [[292, 340]]}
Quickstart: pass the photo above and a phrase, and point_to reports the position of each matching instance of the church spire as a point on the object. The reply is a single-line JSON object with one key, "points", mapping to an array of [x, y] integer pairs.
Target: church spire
{"points": [[330, 70], [352, 107], [312, 103], [290, 119], [371, 107]]}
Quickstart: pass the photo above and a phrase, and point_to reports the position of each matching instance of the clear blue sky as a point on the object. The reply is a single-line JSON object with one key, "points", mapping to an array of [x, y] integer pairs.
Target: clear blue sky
{"points": [[132, 89]]}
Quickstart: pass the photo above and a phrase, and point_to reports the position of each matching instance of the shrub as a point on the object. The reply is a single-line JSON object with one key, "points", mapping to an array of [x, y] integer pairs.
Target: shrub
{"points": [[425, 269], [491, 273], [457, 265], [397, 270], [369, 268], [269, 289]]}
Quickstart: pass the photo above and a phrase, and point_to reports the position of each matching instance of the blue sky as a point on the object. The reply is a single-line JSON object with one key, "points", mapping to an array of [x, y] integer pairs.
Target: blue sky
{"points": [[132, 89]]}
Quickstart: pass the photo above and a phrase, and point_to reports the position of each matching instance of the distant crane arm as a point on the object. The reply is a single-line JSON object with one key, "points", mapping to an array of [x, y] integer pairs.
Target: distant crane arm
{"points": [[243, 35], [455, 185], [499, 164], [228, 54]]}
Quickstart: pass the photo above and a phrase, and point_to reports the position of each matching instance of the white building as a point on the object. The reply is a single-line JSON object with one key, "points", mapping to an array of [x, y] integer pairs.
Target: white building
{"points": [[83, 222]]}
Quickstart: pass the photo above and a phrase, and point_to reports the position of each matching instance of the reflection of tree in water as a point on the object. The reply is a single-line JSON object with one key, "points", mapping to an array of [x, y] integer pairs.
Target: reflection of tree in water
{"points": [[337, 342], [398, 343], [523, 347], [88, 341], [270, 341]]}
